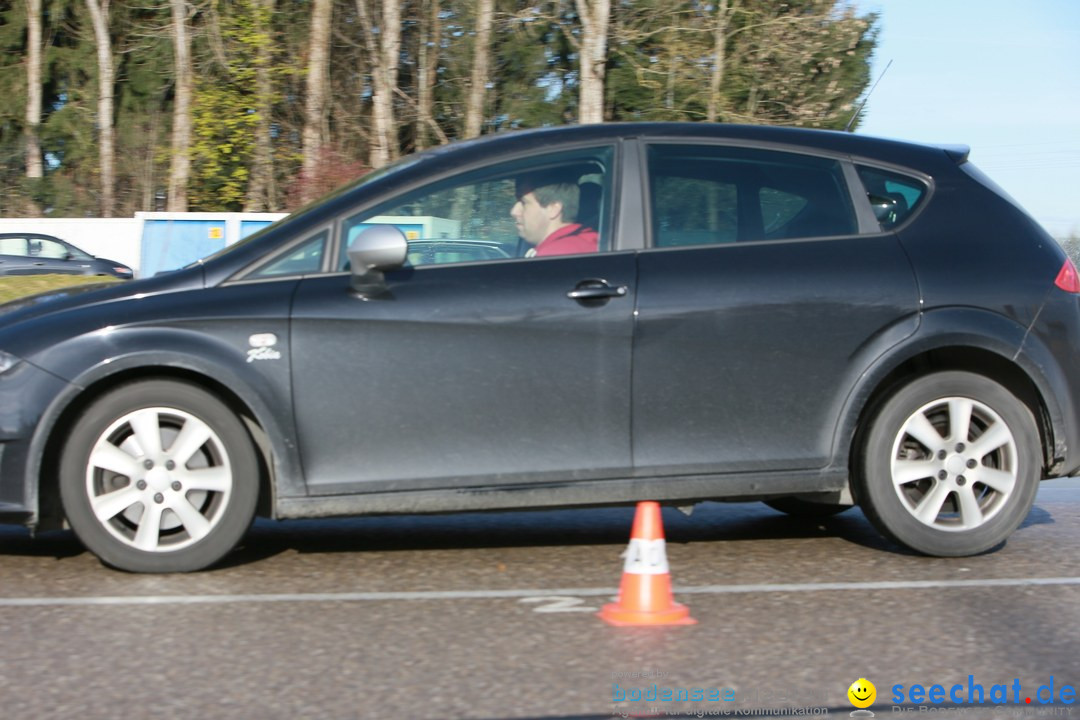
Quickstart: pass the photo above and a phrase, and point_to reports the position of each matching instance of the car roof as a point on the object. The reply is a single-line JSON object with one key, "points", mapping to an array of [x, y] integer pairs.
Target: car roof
{"points": [[835, 141]]}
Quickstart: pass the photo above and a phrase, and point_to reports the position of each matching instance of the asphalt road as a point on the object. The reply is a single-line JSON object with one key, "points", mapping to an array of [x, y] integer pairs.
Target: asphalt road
{"points": [[493, 616]]}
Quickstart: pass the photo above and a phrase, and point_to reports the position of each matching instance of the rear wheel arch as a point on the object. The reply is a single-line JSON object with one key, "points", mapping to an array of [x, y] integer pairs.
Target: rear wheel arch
{"points": [[975, 360]]}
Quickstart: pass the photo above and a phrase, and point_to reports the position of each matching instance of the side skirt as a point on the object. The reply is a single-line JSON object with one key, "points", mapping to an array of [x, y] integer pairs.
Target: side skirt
{"points": [[683, 488]]}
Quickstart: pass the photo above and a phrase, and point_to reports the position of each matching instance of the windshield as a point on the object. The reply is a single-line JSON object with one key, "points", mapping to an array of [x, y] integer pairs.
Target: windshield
{"points": [[371, 177]]}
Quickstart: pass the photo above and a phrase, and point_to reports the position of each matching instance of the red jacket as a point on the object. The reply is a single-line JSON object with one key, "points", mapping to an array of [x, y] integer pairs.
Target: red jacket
{"points": [[569, 240]]}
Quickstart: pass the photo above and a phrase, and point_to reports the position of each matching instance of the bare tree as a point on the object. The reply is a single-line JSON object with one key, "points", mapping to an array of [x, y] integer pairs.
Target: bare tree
{"points": [[594, 15], [99, 16], [474, 109], [384, 70], [427, 61], [34, 166], [724, 10], [314, 134], [262, 191], [180, 155]]}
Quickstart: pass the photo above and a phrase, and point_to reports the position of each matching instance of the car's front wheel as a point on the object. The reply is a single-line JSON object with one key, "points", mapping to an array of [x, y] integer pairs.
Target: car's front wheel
{"points": [[159, 476], [950, 465]]}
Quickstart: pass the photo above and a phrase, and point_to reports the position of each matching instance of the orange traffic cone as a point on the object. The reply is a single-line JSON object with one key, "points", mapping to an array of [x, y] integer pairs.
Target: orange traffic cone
{"points": [[645, 592]]}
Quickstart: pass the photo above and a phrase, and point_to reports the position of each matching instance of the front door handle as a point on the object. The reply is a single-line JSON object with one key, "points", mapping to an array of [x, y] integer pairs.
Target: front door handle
{"points": [[596, 289]]}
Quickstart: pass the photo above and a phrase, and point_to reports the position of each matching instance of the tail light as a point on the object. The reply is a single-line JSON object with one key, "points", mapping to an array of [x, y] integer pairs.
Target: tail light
{"points": [[1068, 279]]}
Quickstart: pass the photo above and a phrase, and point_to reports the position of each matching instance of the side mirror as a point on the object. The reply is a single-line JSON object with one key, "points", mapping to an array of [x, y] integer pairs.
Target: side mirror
{"points": [[374, 251]]}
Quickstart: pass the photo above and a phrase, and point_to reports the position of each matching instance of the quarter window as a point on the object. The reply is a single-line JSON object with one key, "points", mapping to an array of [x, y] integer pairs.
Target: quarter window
{"points": [[707, 195], [893, 196], [303, 259]]}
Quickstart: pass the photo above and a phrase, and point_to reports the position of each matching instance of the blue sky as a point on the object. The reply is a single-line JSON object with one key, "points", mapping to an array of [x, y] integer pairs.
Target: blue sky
{"points": [[1001, 76]]}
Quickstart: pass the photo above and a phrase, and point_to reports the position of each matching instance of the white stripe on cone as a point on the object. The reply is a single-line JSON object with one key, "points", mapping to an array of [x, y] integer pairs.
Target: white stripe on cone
{"points": [[646, 557]]}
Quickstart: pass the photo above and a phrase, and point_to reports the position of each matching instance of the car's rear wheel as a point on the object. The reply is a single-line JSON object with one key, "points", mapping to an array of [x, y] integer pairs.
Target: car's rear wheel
{"points": [[950, 465], [159, 476]]}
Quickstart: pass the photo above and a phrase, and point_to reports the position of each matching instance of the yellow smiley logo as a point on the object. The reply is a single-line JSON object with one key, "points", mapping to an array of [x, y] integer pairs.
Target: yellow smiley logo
{"points": [[862, 693]]}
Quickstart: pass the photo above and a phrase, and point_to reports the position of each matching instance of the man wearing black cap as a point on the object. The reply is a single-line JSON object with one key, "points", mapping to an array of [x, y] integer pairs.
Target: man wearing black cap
{"points": [[545, 214]]}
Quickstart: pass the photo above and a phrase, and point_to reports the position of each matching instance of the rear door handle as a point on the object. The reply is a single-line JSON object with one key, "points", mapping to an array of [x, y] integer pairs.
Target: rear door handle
{"points": [[596, 289]]}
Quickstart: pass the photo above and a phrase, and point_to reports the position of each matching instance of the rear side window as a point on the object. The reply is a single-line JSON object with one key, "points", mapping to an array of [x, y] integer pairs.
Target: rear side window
{"points": [[706, 195], [13, 246], [893, 196]]}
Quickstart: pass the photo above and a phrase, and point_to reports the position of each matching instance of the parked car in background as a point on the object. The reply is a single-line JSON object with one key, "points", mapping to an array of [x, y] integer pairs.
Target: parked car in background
{"points": [[814, 319], [37, 254]]}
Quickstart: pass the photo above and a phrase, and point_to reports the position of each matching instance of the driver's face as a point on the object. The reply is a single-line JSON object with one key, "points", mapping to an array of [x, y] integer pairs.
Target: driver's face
{"points": [[532, 219]]}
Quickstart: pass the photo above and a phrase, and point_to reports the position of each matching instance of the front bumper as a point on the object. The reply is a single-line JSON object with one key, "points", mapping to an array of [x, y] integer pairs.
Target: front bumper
{"points": [[26, 394]]}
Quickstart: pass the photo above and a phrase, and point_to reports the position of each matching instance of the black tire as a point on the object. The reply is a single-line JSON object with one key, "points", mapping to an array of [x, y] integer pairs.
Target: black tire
{"points": [[950, 465], [199, 485], [797, 507]]}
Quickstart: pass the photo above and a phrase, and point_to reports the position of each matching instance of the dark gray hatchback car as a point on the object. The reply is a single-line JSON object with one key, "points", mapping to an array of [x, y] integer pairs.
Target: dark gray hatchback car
{"points": [[573, 316], [37, 254]]}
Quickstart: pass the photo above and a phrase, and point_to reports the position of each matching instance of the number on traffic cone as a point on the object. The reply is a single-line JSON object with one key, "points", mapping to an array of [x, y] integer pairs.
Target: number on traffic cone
{"points": [[645, 591]]}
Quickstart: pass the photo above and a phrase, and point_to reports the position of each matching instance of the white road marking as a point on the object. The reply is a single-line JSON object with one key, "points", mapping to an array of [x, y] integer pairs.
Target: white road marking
{"points": [[107, 600]]}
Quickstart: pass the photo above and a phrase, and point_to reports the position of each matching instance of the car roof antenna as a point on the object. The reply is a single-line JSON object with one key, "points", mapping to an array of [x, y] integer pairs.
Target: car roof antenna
{"points": [[847, 128]]}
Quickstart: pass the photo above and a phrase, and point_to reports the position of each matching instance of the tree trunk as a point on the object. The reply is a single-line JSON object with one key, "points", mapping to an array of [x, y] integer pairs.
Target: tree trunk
{"points": [[262, 190], [391, 50], [723, 16], [474, 110], [427, 66], [594, 16], [147, 174], [674, 60], [384, 68], [34, 164], [99, 15], [315, 103], [180, 151]]}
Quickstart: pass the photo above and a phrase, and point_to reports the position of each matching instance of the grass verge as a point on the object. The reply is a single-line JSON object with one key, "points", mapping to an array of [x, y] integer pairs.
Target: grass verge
{"points": [[13, 287]]}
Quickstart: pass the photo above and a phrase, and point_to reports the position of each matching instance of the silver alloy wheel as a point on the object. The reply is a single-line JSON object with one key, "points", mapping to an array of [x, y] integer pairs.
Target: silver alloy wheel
{"points": [[159, 479], [954, 464]]}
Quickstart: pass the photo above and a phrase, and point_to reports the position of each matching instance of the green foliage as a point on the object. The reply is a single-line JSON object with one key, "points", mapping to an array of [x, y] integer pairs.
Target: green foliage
{"points": [[797, 62], [226, 108], [13, 287], [801, 62], [528, 73], [143, 56]]}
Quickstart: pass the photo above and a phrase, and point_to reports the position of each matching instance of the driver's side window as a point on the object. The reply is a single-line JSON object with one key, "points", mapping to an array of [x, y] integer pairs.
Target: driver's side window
{"points": [[558, 201], [52, 250]]}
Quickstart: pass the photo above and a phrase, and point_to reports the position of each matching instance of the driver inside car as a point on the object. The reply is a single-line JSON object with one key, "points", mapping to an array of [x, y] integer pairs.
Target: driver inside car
{"points": [[546, 216]]}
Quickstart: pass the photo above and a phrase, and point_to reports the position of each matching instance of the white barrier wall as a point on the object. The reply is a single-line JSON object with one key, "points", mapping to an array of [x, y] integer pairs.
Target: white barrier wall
{"points": [[113, 238], [151, 241]]}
